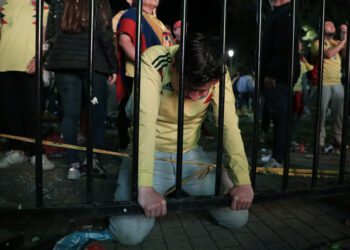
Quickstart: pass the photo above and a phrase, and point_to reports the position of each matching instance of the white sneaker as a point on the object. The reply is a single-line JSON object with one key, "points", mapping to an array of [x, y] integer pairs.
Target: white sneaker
{"points": [[12, 157], [47, 164], [272, 163], [75, 171]]}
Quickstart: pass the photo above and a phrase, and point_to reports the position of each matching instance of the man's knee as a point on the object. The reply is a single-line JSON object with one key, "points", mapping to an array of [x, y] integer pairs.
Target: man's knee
{"points": [[130, 230], [229, 218]]}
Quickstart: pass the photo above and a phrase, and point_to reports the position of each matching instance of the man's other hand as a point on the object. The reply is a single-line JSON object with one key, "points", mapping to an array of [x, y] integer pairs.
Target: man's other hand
{"points": [[269, 83], [242, 197], [153, 203]]}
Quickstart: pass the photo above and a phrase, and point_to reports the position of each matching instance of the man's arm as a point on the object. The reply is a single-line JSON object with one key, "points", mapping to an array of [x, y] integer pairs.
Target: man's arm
{"points": [[153, 203], [242, 193]]}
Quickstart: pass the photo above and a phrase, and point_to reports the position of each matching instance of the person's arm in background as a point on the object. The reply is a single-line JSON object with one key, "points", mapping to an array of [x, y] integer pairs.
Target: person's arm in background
{"points": [[46, 14], [126, 33], [276, 39], [344, 30], [340, 47], [105, 35], [126, 43], [267, 41], [329, 53]]}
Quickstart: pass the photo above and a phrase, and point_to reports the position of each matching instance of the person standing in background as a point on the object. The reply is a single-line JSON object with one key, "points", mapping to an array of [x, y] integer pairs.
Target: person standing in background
{"points": [[276, 57], [68, 37], [332, 89], [17, 80], [154, 32]]}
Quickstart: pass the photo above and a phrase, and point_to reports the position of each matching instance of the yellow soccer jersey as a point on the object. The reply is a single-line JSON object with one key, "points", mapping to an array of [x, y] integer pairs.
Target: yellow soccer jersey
{"points": [[331, 66], [159, 111], [17, 43]]}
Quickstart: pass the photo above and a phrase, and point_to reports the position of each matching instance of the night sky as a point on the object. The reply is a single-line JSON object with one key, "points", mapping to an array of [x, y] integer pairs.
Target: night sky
{"points": [[203, 15]]}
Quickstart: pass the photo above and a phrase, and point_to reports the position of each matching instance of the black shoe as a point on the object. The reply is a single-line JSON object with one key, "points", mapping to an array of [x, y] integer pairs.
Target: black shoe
{"points": [[97, 169]]}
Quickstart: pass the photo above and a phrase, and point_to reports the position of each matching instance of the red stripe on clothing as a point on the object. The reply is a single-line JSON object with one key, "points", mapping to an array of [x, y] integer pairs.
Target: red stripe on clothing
{"points": [[209, 98]]}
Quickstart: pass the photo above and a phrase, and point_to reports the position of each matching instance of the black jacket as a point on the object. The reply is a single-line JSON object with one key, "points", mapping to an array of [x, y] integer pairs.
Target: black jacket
{"points": [[276, 46], [70, 51]]}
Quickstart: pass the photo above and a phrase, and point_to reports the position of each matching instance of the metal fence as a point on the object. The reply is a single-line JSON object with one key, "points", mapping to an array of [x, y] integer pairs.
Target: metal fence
{"points": [[93, 209]]}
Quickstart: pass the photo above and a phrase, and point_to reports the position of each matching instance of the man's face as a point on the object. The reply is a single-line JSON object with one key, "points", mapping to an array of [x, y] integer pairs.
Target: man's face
{"points": [[329, 28], [194, 92], [151, 3], [191, 91]]}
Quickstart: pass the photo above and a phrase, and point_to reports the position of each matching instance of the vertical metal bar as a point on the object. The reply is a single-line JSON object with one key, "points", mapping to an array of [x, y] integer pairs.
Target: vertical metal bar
{"points": [[135, 146], [256, 94], [221, 103], [89, 184], [290, 101], [38, 79], [346, 109], [180, 121], [319, 99]]}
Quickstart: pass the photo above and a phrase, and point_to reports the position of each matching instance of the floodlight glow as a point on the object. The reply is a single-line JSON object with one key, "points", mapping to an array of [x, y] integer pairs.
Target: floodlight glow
{"points": [[231, 53]]}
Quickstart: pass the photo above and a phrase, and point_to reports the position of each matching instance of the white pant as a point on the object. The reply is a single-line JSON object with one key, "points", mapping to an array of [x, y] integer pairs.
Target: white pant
{"points": [[333, 94], [132, 229]]}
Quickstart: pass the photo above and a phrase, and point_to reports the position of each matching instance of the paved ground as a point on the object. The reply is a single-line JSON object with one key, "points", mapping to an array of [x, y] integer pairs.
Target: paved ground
{"points": [[294, 224], [298, 224]]}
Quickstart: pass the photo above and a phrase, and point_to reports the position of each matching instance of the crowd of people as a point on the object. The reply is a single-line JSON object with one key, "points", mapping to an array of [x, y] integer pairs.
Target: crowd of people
{"points": [[275, 65], [65, 49]]}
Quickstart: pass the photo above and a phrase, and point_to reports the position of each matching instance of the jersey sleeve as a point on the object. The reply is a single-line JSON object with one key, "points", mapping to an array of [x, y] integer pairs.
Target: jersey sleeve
{"points": [[127, 25], [150, 87], [233, 143]]}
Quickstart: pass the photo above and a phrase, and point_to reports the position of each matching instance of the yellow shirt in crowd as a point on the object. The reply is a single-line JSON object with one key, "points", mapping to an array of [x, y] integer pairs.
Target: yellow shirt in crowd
{"points": [[331, 66], [304, 67], [159, 111], [17, 43]]}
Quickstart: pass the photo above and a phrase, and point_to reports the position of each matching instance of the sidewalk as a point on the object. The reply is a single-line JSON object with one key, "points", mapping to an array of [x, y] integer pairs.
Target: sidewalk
{"points": [[298, 224], [294, 224]]}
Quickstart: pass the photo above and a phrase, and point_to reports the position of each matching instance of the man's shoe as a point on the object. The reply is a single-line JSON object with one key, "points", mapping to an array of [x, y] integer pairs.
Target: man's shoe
{"points": [[97, 169], [13, 157], [47, 164], [272, 163], [75, 172]]}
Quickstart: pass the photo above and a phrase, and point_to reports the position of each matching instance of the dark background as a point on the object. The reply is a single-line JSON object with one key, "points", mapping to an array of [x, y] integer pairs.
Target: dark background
{"points": [[205, 16]]}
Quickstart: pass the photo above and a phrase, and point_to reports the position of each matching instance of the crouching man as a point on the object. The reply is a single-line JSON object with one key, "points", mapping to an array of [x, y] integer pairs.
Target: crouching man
{"points": [[158, 138]]}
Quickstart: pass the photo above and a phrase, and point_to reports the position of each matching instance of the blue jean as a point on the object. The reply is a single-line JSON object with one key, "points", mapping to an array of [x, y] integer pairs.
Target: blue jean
{"points": [[73, 89], [132, 229], [276, 101]]}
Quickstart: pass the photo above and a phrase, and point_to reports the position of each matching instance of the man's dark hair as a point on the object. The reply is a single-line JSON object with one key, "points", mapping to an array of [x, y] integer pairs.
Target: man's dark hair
{"points": [[203, 59]]}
